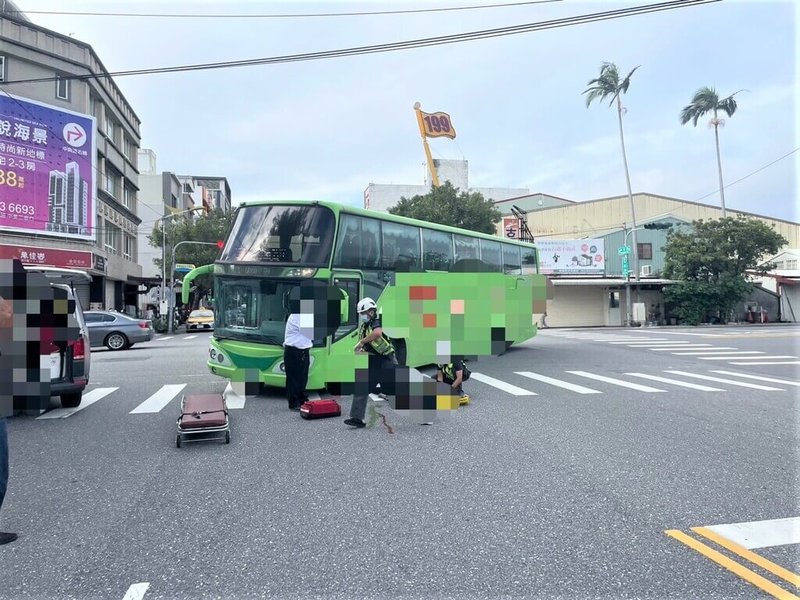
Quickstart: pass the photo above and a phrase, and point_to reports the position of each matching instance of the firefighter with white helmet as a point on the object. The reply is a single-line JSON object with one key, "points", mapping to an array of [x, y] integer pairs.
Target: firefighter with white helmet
{"points": [[382, 358]]}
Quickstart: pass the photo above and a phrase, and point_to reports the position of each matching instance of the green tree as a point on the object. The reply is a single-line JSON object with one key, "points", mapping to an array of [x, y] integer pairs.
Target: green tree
{"points": [[446, 206], [711, 264], [610, 84], [706, 100], [208, 228]]}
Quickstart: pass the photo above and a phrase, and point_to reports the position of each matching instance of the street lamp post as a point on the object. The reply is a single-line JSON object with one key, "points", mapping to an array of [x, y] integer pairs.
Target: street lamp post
{"points": [[171, 314], [164, 251]]}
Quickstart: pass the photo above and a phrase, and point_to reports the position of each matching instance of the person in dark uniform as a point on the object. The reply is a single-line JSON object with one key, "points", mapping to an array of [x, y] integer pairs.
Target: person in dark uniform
{"points": [[382, 360], [452, 374]]}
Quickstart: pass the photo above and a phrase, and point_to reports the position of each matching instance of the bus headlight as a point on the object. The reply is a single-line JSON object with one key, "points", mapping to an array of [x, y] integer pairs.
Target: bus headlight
{"points": [[218, 357]]}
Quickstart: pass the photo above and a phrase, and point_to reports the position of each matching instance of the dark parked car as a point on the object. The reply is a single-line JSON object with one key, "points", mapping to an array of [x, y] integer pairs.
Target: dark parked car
{"points": [[69, 363], [116, 330]]}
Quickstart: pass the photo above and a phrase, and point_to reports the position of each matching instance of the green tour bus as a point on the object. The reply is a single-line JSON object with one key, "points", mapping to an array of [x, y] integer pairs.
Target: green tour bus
{"points": [[440, 290]]}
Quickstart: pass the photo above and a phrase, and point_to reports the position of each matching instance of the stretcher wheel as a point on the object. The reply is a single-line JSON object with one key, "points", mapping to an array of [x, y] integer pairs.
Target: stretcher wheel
{"points": [[227, 437], [178, 441]]}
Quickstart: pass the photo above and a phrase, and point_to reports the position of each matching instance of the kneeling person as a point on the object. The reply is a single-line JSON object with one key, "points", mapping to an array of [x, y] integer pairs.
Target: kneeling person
{"points": [[453, 374]]}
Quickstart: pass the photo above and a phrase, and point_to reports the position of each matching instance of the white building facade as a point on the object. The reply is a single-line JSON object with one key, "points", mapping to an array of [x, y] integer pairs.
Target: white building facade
{"points": [[381, 197]]}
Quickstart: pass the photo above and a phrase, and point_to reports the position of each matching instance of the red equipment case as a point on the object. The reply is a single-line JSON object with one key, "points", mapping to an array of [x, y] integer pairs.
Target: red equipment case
{"points": [[318, 409]]}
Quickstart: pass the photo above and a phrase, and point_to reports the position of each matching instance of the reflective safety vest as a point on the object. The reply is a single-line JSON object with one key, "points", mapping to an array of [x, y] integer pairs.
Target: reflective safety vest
{"points": [[449, 371], [382, 345]]}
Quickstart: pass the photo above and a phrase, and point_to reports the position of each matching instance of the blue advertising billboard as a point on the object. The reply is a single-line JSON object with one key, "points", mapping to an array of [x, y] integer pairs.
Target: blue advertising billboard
{"points": [[47, 169]]}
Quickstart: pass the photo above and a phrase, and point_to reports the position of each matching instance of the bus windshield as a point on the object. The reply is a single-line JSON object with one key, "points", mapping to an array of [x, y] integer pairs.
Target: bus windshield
{"points": [[281, 234], [253, 309]]}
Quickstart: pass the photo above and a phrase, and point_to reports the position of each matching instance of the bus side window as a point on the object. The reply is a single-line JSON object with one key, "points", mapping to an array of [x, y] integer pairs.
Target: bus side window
{"points": [[511, 260], [348, 246], [403, 241], [370, 246], [491, 255], [389, 255], [529, 265]]}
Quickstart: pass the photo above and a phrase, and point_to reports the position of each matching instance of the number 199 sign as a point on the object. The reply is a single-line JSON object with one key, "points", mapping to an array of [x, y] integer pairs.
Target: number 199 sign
{"points": [[438, 125]]}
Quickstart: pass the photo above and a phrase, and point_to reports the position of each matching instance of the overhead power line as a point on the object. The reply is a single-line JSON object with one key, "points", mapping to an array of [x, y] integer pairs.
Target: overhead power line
{"points": [[279, 15], [394, 46], [788, 154]]}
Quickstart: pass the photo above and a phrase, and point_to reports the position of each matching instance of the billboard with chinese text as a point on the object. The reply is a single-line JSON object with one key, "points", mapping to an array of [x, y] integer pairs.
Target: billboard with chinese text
{"points": [[511, 227], [571, 257], [47, 169], [49, 257]]}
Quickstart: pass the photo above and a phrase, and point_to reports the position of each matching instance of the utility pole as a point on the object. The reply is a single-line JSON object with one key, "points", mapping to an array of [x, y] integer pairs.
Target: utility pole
{"points": [[625, 251]]}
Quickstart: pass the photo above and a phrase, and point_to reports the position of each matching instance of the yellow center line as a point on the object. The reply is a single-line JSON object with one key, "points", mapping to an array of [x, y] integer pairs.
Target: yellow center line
{"points": [[762, 562], [733, 566]]}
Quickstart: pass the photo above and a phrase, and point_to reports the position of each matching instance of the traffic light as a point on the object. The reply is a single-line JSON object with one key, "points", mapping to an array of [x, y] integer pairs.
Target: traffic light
{"points": [[657, 225], [220, 244]]}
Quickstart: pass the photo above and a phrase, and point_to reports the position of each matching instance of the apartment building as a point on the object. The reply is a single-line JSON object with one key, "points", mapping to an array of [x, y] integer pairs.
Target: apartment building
{"points": [[70, 138]]}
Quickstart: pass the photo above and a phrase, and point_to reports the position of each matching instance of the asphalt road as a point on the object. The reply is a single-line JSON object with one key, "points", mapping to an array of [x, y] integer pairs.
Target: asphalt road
{"points": [[557, 483]]}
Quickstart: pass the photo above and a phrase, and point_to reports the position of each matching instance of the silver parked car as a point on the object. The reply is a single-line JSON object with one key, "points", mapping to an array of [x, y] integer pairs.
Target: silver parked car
{"points": [[116, 330]]}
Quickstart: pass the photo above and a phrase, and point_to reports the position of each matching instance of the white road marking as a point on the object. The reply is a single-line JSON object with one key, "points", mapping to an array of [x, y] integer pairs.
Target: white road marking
{"points": [[694, 386], [686, 333], [796, 362], [233, 400], [158, 400], [647, 340], [717, 351], [502, 385], [190, 337], [136, 591], [88, 399], [732, 357], [619, 382], [164, 339], [728, 381], [688, 347], [558, 383], [761, 534], [759, 377], [673, 345]]}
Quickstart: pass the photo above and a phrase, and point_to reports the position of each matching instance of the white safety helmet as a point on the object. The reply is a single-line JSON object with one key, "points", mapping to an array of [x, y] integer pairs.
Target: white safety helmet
{"points": [[365, 304]]}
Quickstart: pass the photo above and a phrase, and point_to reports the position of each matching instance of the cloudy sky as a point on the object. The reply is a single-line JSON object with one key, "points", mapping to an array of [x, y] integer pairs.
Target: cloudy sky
{"points": [[326, 129]]}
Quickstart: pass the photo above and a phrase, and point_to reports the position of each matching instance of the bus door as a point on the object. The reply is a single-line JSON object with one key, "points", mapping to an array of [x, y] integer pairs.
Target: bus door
{"points": [[350, 283]]}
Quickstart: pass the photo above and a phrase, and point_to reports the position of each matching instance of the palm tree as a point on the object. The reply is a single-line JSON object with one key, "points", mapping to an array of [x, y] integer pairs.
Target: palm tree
{"points": [[609, 84], [706, 100]]}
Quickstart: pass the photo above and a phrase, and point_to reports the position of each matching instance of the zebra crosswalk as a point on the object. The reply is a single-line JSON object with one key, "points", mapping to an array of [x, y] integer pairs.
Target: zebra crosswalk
{"points": [[700, 351], [520, 384]]}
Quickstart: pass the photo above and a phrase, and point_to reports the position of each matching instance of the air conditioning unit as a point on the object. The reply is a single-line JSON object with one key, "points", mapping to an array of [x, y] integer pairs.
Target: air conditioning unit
{"points": [[646, 270]]}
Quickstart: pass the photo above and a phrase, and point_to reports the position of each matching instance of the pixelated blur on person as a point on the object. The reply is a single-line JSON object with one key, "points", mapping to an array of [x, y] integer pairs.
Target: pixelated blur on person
{"points": [[34, 321], [314, 314], [382, 361], [12, 274]]}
